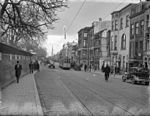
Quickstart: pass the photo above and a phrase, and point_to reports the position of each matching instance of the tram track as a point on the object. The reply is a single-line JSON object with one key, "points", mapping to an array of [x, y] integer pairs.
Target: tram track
{"points": [[75, 84], [113, 91]]}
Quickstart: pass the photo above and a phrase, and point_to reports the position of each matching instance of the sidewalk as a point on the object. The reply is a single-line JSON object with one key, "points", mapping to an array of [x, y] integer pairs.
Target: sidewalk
{"points": [[21, 99]]}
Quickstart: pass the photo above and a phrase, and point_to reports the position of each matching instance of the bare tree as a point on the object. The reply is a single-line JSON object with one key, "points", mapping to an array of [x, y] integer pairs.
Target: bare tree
{"points": [[27, 19]]}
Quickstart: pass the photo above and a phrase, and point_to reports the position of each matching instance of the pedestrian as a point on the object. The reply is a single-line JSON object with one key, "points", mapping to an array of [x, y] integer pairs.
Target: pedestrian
{"points": [[85, 67], [31, 67], [37, 66], [18, 68], [107, 71], [102, 68]]}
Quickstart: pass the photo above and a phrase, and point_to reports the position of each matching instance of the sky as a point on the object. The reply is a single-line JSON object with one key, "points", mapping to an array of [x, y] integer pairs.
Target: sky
{"points": [[91, 11]]}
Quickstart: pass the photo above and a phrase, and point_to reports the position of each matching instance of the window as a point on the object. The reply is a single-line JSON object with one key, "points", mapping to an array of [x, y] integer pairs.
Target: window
{"points": [[142, 27], [147, 21], [84, 52], [136, 48], [112, 25], [97, 42], [123, 42], [137, 28], [84, 43], [132, 29], [115, 43], [127, 21], [116, 25], [111, 44], [97, 52], [141, 46], [131, 49], [10, 56], [123, 61], [16, 57], [147, 44], [121, 23], [85, 34]]}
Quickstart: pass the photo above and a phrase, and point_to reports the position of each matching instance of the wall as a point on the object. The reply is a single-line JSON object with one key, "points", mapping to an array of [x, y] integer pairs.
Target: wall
{"points": [[7, 71]]}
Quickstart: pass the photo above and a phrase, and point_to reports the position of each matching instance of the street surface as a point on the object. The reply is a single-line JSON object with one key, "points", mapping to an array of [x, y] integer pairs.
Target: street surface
{"points": [[72, 93]]}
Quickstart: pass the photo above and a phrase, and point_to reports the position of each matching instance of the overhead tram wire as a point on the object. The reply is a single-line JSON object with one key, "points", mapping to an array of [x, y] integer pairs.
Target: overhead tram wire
{"points": [[76, 15], [80, 10]]}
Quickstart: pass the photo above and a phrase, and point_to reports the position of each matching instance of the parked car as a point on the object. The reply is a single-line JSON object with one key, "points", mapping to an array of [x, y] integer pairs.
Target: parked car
{"points": [[51, 65], [137, 75]]}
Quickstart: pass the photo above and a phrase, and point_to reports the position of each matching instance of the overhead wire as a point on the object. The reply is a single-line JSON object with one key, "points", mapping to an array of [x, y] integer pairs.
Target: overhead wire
{"points": [[80, 10], [76, 15]]}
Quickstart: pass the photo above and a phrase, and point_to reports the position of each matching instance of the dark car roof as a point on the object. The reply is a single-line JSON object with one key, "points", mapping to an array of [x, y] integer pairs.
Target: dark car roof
{"points": [[138, 68]]}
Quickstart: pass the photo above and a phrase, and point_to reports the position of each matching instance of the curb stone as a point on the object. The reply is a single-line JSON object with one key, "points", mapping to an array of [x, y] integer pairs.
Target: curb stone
{"points": [[37, 98]]}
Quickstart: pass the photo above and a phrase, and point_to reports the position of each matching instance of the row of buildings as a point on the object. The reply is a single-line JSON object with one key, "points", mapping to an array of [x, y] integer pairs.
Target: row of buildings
{"points": [[122, 42]]}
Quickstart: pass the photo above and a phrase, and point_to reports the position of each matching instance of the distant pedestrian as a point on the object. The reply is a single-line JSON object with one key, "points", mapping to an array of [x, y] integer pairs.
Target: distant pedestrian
{"points": [[18, 68], [31, 67], [37, 66], [102, 68], [85, 67], [107, 71]]}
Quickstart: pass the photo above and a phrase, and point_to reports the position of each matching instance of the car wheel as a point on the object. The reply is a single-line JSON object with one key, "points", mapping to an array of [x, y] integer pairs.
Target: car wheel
{"points": [[123, 78], [146, 83]]}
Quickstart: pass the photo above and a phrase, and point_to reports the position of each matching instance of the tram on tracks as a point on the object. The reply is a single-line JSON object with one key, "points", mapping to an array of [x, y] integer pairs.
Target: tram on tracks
{"points": [[65, 63]]}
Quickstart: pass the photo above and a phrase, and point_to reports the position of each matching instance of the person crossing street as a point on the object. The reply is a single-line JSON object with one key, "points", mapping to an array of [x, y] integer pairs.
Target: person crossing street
{"points": [[107, 71]]}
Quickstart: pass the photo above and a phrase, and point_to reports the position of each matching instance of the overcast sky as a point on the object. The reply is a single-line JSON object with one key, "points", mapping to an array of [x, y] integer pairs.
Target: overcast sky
{"points": [[91, 11]]}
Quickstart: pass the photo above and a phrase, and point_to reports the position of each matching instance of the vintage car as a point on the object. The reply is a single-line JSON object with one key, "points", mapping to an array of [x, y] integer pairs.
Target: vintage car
{"points": [[50, 65], [137, 75]]}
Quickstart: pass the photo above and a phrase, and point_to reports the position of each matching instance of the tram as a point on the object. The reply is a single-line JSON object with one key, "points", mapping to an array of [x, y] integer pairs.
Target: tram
{"points": [[65, 63]]}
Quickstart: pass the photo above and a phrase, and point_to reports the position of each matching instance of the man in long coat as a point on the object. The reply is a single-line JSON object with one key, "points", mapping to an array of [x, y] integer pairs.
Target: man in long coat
{"points": [[18, 68], [31, 67], [107, 71]]}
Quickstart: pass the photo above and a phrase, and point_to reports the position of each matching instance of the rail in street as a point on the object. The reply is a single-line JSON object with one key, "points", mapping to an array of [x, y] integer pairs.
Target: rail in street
{"points": [[76, 93]]}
